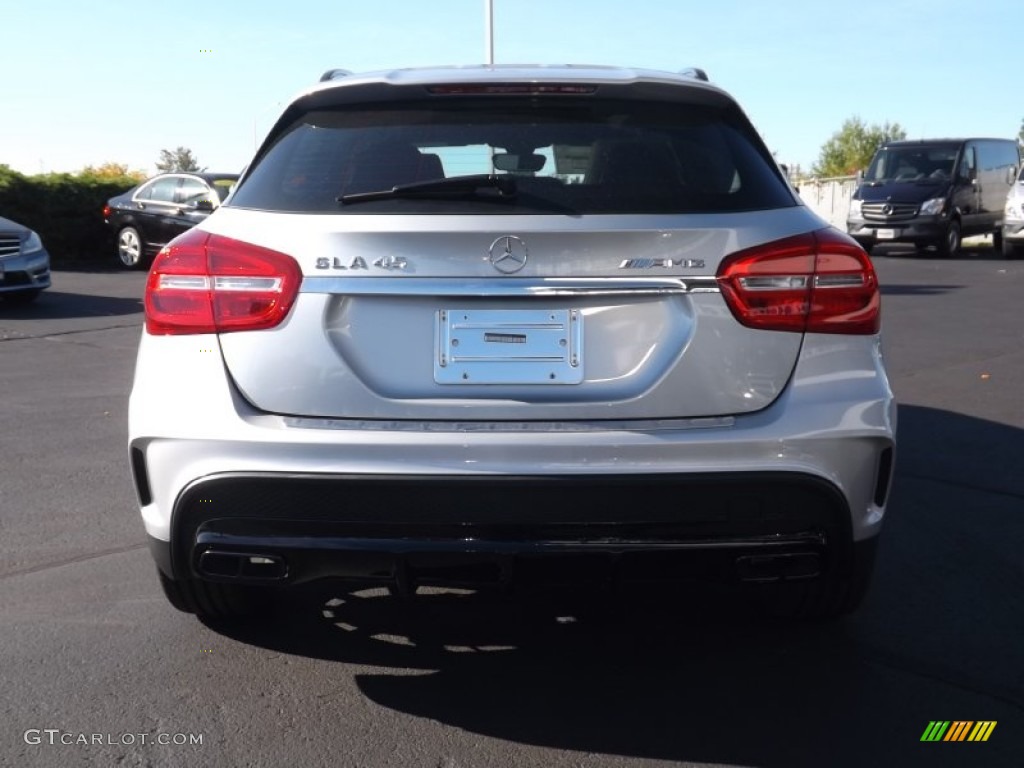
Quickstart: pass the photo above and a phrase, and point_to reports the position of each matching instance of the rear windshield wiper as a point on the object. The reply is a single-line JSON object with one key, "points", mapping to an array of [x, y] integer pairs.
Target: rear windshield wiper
{"points": [[501, 188]]}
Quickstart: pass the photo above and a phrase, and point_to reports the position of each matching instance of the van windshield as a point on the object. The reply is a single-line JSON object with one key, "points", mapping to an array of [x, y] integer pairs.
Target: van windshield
{"points": [[913, 164]]}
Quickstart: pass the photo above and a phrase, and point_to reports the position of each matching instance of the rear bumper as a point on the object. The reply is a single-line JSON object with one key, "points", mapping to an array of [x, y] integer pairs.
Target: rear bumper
{"points": [[804, 481], [402, 530]]}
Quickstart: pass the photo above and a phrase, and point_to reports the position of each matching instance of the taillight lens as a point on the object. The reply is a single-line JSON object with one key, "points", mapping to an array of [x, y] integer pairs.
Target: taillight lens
{"points": [[106, 211], [203, 283], [818, 282]]}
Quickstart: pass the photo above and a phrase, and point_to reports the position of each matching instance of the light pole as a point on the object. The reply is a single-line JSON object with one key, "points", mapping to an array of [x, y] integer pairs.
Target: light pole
{"points": [[489, 30]]}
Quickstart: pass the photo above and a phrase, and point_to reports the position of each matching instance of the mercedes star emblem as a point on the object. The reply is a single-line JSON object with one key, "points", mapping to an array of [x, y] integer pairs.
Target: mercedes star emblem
{"points": [[508, 254]]}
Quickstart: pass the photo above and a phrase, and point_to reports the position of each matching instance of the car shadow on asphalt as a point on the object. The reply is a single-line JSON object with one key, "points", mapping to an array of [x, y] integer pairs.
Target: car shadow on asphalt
{"points": [[60, 305], [980, 252], [897, 289], [692, 674]]}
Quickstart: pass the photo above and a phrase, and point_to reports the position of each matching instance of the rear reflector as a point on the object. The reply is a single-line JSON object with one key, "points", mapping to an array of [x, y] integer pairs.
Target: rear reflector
{"points": [[817, 282], [203, 283]]}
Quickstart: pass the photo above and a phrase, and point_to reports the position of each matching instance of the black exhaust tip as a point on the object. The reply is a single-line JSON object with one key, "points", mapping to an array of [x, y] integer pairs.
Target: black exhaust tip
{"points": [[782, 567], [250, 566]]}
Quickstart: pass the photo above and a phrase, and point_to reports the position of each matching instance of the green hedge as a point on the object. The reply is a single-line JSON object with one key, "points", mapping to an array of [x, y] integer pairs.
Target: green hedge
{"points": [[67, 212]]}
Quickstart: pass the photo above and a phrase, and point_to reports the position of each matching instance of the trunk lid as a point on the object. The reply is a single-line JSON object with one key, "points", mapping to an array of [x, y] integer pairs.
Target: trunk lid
{"points": [[493, 318]]}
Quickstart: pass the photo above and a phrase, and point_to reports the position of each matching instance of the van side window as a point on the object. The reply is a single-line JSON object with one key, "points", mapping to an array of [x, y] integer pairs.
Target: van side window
{"points": [[968, 163], [1001, 156]]}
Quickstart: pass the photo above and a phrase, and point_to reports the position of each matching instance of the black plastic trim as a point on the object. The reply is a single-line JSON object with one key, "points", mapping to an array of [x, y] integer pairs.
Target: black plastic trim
{"points": [[372, 526], [141, 476], [882, 481], [161, 552]]}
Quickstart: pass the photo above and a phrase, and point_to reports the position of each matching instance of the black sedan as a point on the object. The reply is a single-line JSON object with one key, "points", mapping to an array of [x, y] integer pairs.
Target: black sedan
{"points": [[147, 217]]}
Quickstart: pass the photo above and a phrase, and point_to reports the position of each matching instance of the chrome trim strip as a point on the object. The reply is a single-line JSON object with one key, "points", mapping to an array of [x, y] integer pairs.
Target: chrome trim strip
{"points": [[636, 425], [285, 545], [539, 287]]}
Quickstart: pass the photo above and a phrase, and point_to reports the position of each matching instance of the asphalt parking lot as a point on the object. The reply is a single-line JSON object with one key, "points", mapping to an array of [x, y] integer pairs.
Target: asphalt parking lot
{"points": [[90, 647]]}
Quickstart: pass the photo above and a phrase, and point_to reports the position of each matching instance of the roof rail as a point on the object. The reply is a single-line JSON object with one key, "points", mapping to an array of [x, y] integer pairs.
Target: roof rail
{"points": [[334, 74], [696, 73]]}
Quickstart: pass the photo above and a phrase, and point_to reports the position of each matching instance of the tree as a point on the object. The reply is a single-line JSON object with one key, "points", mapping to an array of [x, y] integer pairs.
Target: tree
{"points": [[111, 170], [1020, 133], [180, 159], [851, 147]]}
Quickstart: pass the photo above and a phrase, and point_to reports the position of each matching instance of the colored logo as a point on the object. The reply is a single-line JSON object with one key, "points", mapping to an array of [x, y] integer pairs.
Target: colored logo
{"points": [[958, 730]]}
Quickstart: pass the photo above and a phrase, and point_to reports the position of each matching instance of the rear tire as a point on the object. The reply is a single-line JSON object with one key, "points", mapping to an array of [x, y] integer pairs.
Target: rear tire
{"points": [[213, 601], [131, 248], [997, 240], [949, 246], [826, 597]]}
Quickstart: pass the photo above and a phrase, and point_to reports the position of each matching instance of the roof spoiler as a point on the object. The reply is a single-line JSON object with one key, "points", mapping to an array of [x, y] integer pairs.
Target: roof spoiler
{"points": [[334, 74], [695, 72]]}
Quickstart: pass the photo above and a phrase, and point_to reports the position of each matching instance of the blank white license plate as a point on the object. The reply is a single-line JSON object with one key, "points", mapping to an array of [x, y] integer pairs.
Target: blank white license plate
{"points": [[886, 234], [508, 346]]}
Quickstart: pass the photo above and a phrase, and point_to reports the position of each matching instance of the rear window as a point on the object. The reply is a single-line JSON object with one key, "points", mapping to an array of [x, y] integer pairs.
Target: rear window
{"points": [[222, 187], [573, 156]]}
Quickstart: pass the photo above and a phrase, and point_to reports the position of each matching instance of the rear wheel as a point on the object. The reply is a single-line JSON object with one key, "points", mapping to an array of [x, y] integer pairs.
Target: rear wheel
{"points": [[130, 248], [949, 245], [214, 601], [997, 239]]}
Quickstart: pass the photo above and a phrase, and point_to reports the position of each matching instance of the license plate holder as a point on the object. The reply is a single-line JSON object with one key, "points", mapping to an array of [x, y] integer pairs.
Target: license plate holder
{"points": [[508, 346], [886, 234]]}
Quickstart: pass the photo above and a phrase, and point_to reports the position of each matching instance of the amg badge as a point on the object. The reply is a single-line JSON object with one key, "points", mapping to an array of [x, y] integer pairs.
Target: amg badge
{"points": [[662, 263]]}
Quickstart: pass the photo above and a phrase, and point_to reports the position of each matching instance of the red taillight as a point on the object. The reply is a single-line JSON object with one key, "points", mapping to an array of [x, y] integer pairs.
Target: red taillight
{"points": [[203, 283], [106, 211], [818, 282]]}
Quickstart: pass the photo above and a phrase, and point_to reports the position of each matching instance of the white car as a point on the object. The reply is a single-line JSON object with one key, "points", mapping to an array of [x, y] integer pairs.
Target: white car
{"points": [[1013, 220], [468, 325]]}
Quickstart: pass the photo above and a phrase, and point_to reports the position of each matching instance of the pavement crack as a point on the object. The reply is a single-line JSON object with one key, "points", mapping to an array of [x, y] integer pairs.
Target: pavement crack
{"points": [[71, 560], [902, 664], [56, 335], [962, 485]]}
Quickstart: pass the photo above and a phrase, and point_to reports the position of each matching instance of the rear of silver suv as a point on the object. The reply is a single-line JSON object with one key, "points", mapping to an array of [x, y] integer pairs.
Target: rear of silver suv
{"points": [[479, 324]]}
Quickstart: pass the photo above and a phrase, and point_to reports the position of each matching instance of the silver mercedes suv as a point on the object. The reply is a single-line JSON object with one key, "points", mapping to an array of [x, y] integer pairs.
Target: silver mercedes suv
{"points": [[472, 325]]}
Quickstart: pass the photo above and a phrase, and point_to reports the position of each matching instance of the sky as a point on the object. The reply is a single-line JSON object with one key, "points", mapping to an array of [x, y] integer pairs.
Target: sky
{"points": [[88, 83]]}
